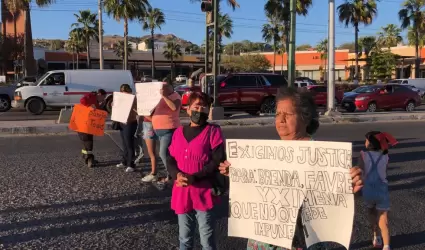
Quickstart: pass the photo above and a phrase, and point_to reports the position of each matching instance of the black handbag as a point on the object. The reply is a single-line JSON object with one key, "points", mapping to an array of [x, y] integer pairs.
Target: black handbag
{"points": [[116, 126]]}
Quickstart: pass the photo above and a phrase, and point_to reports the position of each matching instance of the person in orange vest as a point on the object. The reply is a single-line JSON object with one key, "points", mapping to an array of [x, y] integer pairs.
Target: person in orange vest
{"points": [[95, 100]]}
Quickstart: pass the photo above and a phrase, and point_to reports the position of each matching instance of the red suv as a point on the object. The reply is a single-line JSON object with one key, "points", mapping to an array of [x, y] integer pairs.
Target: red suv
{"points": [[387, 97], [246, 92], [320, 94]]}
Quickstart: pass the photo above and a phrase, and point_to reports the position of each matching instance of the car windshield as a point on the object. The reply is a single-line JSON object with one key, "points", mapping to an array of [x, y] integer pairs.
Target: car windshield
{"points": [[41, 78], [364, 89]]}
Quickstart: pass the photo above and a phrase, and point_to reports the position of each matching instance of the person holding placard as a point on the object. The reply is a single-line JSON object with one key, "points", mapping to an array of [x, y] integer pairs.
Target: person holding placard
{"points": [[95, 100], [165, 119], [196, 151], [127, 132], [296, 119]]}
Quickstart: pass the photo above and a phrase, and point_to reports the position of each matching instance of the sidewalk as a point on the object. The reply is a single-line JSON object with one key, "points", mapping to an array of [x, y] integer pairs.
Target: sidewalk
{"points": [[50, 126]]}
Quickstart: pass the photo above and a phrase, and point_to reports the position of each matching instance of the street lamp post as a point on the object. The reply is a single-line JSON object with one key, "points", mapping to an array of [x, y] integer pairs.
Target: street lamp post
{"points": [[100, 10], [331, 60], [291, 55]]}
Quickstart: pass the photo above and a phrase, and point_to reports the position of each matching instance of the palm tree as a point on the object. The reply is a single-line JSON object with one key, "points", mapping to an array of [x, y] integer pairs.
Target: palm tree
{"points": [[271, 35], [24, 5], [322, 48], [231, 3], [281, 51], [88, 26], [75, 44], [225, 29], [119, 50], [368, 45], [153, 19], [389, 36], [411, 38], [281, 9], [171, 52], [127, 10], [356, 12], [412, 15]]}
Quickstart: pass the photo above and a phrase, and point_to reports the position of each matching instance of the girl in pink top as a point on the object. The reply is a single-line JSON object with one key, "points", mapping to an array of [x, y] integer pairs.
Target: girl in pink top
{"points": [[196, 151]]}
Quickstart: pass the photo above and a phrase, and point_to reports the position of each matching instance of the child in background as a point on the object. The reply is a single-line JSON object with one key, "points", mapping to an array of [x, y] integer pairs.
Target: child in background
{"points": [[374, 162]]}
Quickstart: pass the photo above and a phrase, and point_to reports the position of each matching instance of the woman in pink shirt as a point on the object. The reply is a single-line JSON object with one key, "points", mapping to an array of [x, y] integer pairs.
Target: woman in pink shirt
{"points": [[196, 151]]}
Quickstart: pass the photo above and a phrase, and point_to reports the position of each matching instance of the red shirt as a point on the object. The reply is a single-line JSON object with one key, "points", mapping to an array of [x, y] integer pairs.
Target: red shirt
{"points": [[90, 99]]}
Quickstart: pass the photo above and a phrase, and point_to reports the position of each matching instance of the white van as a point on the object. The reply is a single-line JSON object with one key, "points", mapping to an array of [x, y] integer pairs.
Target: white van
{"points": [[61, 88], [419, 83]]}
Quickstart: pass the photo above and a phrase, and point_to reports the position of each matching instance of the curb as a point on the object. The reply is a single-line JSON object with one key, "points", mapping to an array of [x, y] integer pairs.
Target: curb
{"points": [[260, 121]]}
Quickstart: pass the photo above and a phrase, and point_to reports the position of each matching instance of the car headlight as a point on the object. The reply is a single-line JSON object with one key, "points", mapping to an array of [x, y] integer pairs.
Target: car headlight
{"points": [[362, 98]]}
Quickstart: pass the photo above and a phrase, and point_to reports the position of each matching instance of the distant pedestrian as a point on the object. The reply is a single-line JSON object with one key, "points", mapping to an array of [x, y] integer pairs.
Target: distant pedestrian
{"points": [[127, 132], [374, 162], [95, 100], [165, 119]]}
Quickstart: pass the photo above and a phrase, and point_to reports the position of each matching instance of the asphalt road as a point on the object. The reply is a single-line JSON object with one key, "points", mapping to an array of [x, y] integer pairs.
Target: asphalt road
{"points": [[22, 115], [49, 200]]}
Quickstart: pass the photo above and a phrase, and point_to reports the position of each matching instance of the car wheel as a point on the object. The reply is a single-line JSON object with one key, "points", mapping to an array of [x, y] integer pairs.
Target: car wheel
{"points": [[350, 109], [5, 103], [410, 107], [268, 106], [35, 106], [372, 107]]}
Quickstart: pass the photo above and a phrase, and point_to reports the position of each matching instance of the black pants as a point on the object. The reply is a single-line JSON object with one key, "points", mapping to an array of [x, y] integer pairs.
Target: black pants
{"points": [[127, 136], [87, 141]]}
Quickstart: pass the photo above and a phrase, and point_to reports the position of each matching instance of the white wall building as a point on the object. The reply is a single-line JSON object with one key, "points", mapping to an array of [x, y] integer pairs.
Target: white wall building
{"points": [[159, 46]]}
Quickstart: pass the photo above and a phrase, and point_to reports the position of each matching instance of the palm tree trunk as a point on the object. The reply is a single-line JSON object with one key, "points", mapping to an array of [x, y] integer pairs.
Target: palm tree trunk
{"points": [[78, 59], [417, 60], [88, 52], [3, 21], [274, 58], [356, 50], [153, 54], [172, 67], [281, 67], [73, 60], [30, 68], [286, 24], [125, 43]]}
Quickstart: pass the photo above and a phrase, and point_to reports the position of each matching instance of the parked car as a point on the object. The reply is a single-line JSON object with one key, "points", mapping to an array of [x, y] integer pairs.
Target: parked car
{"points": [[181, 78], [320, 94], [420, 92], [386, 97], [246, 92], [348, 101], [305, 79], [6, 96], [62, 88]]}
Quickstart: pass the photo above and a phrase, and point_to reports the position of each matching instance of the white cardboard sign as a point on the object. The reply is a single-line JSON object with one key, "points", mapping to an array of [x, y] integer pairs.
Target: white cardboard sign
{"points": [[121, 106], [270, 180], [148, 96]]}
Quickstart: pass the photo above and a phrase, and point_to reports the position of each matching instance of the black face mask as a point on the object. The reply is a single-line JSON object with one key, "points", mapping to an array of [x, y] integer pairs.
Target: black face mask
{"points": [[199, 118]]}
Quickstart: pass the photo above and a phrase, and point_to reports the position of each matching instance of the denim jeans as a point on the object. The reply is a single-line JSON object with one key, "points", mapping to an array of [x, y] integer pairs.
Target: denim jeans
{"points": [[127, 136], [164, 137], [187, 226]]}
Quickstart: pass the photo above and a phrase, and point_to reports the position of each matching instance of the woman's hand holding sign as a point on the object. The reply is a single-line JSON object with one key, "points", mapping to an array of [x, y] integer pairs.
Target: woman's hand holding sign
{"points": [[224, 168]]}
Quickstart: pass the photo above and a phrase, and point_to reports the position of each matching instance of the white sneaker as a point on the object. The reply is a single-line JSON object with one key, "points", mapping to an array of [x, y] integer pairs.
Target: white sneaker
{"points": [[121, 165], [149, 178], [129, 170]]}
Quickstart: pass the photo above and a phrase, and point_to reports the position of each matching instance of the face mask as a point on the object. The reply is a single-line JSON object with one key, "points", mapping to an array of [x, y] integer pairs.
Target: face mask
{"points": [[199, 118]]}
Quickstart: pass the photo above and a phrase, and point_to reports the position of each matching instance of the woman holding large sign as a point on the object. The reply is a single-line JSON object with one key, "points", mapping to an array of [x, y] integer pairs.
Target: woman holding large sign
{"points": [[296, 119]]}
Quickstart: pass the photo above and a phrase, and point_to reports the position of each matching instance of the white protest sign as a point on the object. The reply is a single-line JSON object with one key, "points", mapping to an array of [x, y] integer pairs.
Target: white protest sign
{"points": [[270, 180], [148, 96], [121, 106]]}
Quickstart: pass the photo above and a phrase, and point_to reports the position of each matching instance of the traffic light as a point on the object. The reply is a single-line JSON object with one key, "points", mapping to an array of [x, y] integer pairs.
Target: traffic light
{"points": [[206, 6]]}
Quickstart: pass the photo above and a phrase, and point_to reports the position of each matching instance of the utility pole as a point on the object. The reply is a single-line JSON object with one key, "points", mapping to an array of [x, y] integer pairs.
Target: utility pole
{"points": [[331, 60], [100, 12], [211, 7], [291, 54]]}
